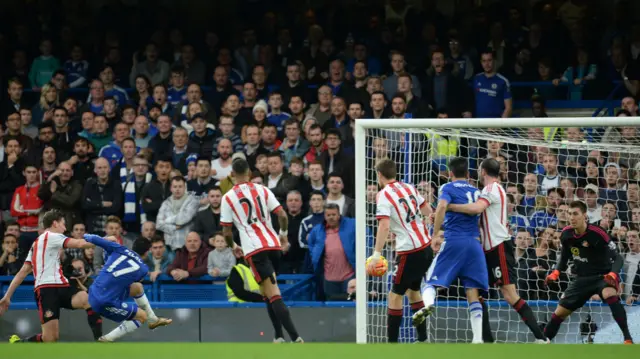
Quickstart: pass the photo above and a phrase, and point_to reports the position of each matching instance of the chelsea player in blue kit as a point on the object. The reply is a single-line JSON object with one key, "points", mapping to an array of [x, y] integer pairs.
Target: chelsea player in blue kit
{"points": [[120, 278], [461, 255]]}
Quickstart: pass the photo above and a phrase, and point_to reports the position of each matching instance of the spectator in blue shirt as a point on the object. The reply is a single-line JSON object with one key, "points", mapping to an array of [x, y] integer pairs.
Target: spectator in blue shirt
{"points": [[276, 116], [76, 68], [107, 76], [493, 91], [547, 217], [112, 151], [177, 93]]}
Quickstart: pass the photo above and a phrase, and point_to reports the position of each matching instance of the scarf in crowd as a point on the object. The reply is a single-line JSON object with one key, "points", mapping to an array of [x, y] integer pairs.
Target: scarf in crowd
{"points": [[129, 190]]}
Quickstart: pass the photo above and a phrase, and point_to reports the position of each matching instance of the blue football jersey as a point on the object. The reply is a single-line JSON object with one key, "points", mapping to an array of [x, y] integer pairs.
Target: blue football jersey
{"points": [[457, 225], [122, 268]]}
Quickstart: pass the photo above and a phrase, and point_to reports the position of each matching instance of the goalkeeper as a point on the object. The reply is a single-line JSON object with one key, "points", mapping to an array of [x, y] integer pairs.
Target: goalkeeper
{"points": [[596, 265]]}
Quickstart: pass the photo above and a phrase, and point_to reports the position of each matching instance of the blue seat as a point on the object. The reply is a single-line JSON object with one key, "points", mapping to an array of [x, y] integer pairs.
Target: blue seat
{"points": [[23, 294], [192, 292]]}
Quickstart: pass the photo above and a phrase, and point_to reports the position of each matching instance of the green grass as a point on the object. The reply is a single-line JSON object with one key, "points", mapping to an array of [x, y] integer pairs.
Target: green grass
{"points": [[308, 351]]}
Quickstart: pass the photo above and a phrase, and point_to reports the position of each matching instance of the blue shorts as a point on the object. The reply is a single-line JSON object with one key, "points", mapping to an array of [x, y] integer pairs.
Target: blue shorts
{"points": [[113, 308], [459, 258]]}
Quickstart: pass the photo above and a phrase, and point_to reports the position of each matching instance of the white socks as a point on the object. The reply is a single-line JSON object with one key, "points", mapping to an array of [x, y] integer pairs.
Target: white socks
{"points": [[143, 303], [429, 295], [475, 316], [125, 327]]}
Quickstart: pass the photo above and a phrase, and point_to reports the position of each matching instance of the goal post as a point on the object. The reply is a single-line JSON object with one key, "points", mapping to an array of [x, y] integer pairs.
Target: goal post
{"points": [[415, 144]]}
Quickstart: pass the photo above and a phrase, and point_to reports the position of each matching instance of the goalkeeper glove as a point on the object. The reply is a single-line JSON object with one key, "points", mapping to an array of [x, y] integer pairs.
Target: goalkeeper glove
{"points": [[552, 277], [612, 280]]}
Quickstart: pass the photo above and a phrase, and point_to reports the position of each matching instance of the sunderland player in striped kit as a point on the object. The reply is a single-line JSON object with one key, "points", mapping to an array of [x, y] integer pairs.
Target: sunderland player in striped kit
{"points": [[248, 206], [399, 210], [52, 289], [498, 246]]}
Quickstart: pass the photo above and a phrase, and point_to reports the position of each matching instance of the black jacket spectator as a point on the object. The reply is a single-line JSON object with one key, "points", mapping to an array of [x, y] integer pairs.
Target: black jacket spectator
{"points": [[161, 146], [301, 89], [293, 259], [300, 184], [93, 196], [418, 108], [206, 223], [66, 198], [10, 179], [83, 170], [251, 158], [202, 146], [345, 129], [64, 145], [280, 190], [343, 164], [458, 95], [153, 194], [217, 98], [7, 107], [198, 188], [34, 154]]}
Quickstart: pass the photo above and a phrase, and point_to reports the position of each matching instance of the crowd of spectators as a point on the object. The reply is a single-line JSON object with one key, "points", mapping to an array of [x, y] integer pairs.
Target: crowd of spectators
{"points": [[134, 137]]}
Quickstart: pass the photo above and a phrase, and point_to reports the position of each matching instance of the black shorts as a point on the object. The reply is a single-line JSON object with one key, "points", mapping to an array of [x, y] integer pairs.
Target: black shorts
{"points": [[409, 270], [51, 299], [264, 264], [580, 291], [501, 264]]}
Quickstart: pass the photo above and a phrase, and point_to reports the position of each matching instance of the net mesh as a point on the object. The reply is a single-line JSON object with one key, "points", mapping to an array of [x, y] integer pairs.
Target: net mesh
{"points": [[598, 165]]}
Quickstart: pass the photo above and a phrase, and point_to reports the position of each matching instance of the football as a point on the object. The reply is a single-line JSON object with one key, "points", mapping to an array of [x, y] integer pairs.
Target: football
{"points": [[380, 269]]}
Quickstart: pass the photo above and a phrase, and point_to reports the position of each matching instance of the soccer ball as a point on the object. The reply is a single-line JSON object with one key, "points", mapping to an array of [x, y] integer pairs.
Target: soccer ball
{"points": [[380, 269]]}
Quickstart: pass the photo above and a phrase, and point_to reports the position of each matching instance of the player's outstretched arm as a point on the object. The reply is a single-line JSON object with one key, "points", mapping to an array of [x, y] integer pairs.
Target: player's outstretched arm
{"points": [[101, 242], [78, 243], [471, 208], [15, 283]]}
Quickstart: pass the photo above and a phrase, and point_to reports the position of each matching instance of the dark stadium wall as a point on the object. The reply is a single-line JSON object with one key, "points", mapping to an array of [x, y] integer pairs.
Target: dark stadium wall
{"points": [[315, 324]]}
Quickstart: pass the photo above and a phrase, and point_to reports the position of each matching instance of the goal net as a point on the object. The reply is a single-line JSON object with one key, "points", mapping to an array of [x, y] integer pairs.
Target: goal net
{"points": [[545, 164]]}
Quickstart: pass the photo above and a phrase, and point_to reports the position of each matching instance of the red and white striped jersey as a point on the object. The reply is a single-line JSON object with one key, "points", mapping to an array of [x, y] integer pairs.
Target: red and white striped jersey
{"points": [[401, 203], [44, 257], [494, 221], [248, 206]]}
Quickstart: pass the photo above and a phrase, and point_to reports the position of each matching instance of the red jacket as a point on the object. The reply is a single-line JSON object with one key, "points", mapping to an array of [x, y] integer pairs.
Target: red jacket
{"points": [[313, 155], [26, 199], [181, 261]]}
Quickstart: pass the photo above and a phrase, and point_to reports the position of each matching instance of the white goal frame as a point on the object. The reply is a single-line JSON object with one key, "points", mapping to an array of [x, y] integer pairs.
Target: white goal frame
{"points": [[481, 123]]}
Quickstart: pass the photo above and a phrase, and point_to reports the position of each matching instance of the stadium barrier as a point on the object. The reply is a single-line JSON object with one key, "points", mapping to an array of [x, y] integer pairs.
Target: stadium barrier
{"points": [[316, 321]]}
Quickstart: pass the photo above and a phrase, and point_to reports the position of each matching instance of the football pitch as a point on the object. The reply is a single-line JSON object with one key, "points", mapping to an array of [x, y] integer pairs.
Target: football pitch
{"points": [[312, 350]]}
